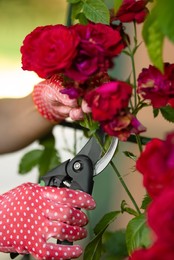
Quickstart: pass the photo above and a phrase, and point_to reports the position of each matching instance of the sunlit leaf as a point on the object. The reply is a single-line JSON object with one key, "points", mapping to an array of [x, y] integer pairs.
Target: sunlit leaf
{"points": [[96, 11], [154, 39], [137, 233], [164, 9], [76, 9]]}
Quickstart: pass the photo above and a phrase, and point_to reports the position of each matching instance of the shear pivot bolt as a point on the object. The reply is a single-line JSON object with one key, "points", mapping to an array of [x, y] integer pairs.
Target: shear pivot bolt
{"points": [[77, 166]]}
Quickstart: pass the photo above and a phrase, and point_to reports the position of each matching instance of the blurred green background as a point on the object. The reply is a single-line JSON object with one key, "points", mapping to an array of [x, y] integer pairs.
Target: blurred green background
{"points": [[20, 17]]}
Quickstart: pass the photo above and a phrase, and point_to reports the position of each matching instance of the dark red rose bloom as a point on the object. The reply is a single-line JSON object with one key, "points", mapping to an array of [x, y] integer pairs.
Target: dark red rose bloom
{"points": [[159, 251], [156, 163], [155, 86], [49, 49], [160, 216], [108, 99], [132, 10], [122, 126], [99, 44]]}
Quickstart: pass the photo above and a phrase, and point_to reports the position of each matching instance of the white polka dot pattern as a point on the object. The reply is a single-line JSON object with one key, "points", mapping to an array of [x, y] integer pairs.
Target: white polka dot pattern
{"points": [[31, 214], [51, 103]]}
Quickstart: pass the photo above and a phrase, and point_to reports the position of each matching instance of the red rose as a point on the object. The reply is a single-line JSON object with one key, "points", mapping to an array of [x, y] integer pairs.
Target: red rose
{"points": [[108, 99], [132, 10], [155, 86], [156, 163], [99, 44], [159, 251], [160, 216], [122, 126], [49, 49]]}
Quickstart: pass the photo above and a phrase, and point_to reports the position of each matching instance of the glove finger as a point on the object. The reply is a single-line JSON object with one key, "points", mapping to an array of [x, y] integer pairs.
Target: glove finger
{"points": [[62, 111], [73, 198], [52, 251], [76, 114], [66, 214], [63, 231], [85, 107]]}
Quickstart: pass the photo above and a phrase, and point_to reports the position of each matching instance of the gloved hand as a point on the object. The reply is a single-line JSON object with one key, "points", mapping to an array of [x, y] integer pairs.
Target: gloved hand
{"points": [[31, 214], [52, 104]]}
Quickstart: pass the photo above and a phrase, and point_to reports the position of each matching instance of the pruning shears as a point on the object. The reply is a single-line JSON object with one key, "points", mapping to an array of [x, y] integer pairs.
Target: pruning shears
{"points": [[79, 172]]}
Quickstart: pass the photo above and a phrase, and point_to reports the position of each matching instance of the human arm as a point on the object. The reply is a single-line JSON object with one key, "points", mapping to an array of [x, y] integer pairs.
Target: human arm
{"points": [[20, 123], [24, 120]]}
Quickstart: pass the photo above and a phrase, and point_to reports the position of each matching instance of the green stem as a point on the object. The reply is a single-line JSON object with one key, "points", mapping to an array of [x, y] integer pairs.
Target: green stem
{"points": [[120, 177], [139, 143], [125, 187], [134, 79]]}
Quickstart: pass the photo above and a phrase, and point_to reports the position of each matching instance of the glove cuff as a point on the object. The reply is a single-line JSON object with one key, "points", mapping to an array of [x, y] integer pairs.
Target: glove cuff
{"points": [[41, 99], [40, 103]]}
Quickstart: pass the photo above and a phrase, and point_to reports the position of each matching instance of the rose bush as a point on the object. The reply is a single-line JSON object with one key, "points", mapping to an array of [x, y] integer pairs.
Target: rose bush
{"points": [[84, 54]]}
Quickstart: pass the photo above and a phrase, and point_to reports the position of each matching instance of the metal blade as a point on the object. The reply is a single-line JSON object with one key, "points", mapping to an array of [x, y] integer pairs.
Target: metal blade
{"points": [[92, 149], [104, 161]]}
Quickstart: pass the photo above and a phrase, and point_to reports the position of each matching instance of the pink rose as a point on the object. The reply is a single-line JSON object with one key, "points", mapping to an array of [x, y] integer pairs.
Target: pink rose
{"points": [[108, 99], [155, 86], [156, 163], [49, 49], [132, 10]]}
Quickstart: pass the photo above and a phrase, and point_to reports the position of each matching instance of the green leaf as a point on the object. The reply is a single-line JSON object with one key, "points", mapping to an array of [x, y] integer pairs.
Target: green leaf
{"points": [[96, 11], [137, 233], [168, 113], [125, 208], [117, 4], [155, 112], [76, 9], [29, 161], [105, 221], [130, 155], [146, 201], [114, 244], [82, 18], [94, 248], [164, 9], [47, 160], [154, 39]]}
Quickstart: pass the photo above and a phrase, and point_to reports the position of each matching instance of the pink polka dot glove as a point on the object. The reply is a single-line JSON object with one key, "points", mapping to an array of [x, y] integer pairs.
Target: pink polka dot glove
{"points": [[52, 104], [31, 214]]}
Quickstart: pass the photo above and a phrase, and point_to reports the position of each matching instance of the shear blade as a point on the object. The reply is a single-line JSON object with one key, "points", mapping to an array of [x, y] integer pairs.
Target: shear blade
{"points": [[107, 157]]}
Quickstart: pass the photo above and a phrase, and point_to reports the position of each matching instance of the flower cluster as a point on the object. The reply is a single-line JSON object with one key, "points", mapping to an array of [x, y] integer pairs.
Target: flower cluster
{"points": [[156, 86], [156, 163], [132, 10], [78, 51], [109, 104]]}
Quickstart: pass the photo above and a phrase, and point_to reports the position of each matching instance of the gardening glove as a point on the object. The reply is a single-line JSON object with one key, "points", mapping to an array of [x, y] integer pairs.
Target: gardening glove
{"points": [[31, 214], [52, 104]]}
